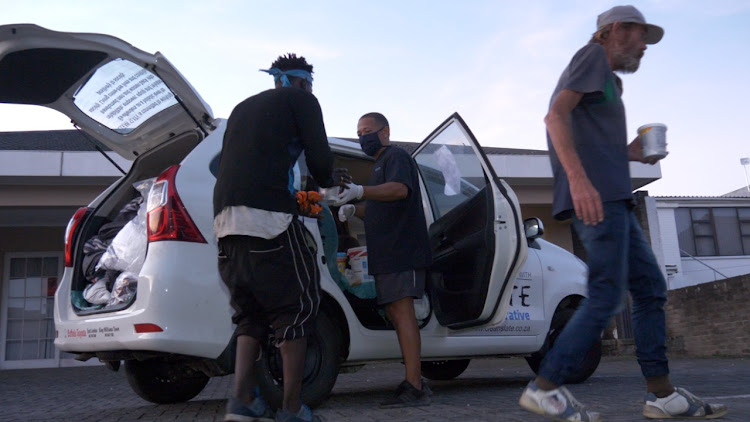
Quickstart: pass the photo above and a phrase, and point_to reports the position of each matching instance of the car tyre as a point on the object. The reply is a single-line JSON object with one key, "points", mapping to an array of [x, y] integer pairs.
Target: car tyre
{"points": [[164, 382], [322, 364], [590, 362], [442, 370]]}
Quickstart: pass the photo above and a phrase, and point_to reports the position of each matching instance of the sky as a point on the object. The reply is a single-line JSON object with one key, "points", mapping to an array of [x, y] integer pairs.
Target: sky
{"points": [[495, 62]]}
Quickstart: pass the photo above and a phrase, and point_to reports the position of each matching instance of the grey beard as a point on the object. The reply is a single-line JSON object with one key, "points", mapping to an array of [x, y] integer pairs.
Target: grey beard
{"points": [[626, 63]]}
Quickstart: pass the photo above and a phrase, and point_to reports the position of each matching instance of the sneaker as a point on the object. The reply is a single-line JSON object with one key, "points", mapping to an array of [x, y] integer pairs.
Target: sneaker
{"points": [[681, 404], [257, 411], [557, 404], [426, 388], [304, 414], [408, 396]]}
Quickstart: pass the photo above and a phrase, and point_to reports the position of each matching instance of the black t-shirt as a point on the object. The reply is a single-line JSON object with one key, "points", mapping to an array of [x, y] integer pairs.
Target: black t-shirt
{"points": [[396, 231], [265, 135]]}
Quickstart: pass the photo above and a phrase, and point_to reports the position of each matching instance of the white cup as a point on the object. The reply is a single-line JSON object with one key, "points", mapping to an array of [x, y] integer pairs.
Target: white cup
{"points": [[653, 140]]}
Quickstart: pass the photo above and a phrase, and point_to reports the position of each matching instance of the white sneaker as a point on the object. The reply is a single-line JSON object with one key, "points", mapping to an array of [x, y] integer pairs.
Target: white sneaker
{"points": [[557, 404], [681, 404]]}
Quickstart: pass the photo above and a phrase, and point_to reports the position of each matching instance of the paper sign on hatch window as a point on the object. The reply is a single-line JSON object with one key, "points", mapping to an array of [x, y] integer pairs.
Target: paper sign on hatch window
{"points": [[121, 95]]}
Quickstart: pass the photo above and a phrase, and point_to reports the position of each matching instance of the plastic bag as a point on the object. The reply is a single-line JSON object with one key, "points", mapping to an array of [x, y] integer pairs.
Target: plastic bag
{"points": [[124, 289], [127, 252], [97, 293]]}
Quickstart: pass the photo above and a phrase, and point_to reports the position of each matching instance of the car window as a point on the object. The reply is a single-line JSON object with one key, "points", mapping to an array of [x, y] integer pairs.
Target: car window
{"points": [[121, 95], [450, 169]]}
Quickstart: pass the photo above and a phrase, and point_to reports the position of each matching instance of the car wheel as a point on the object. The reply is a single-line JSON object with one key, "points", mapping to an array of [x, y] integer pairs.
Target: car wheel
{"points": [[590, 361], [322, 364], [441, 370], [164, 382]]}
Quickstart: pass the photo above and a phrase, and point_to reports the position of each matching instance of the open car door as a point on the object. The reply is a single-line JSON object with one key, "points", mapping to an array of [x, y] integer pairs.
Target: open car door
{"points": [[476, 235], [130, 100]]}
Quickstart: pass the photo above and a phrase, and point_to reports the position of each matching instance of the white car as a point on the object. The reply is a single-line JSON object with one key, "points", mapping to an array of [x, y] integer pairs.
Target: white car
{"points": [[495, 289]]}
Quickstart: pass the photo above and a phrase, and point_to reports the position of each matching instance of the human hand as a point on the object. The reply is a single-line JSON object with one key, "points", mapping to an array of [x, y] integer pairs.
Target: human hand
{"points": [[307, 204], [346, 212], [351, 192], [586, 201], [341, 176], [635, 153]]}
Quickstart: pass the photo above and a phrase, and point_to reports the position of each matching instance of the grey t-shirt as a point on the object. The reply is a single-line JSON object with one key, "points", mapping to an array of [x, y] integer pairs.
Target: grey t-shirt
{"points": [[599, 130]]}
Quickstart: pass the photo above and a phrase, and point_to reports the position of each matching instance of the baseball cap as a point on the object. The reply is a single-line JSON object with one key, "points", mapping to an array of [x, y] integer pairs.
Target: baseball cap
{"points": [[630, 14]]}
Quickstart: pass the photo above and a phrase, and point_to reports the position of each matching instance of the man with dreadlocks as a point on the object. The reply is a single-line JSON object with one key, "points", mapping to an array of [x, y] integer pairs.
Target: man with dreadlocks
{"points": [[267, 258]]}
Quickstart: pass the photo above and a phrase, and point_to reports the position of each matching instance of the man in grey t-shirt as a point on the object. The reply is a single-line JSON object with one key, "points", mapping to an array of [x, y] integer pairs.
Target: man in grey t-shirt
{"points": [[589, 153]]}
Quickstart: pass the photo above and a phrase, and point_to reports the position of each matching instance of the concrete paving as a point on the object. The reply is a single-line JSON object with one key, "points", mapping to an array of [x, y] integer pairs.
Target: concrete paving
{"points": [[487, 391]]}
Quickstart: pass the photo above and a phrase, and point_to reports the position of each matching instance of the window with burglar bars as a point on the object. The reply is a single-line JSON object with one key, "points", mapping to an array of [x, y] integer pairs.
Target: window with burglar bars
{"points": [[704, 231]]}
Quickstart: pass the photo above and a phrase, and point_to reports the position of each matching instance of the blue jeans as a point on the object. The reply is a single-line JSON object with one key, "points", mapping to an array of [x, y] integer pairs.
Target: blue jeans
{"points": [[618, 258]]}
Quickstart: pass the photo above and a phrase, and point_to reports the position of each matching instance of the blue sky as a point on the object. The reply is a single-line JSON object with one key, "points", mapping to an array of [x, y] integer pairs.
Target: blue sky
{"points": [[494, 62]]}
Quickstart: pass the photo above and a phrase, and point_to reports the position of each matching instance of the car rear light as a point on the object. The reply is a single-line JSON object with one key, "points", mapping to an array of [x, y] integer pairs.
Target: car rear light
{"points": [[70, 231], [147, 328], [167, 217]]}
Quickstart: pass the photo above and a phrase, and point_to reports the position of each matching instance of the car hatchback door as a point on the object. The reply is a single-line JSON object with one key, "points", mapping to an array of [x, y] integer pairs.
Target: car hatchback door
{"points": [[476, 231], [130, 100]]}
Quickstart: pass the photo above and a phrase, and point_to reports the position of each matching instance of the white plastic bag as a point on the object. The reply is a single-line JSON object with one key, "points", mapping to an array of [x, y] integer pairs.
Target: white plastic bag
{"points": [[124, 288], [127, 252], [97, 293]]}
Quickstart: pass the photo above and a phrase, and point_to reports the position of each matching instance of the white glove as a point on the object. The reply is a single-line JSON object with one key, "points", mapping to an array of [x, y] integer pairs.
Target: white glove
{"points": [[346, 212], [353, 192]]}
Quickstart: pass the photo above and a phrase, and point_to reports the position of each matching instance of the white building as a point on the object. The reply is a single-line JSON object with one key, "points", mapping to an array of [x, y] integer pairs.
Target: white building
{"points": [[701, 239]]}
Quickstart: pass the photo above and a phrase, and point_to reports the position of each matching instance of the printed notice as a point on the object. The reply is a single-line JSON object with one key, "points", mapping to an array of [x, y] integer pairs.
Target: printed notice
{"points": [[121, 95]]}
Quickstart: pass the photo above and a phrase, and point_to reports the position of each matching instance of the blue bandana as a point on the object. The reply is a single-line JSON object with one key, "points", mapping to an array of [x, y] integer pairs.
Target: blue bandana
{"points": [[282, 74]]}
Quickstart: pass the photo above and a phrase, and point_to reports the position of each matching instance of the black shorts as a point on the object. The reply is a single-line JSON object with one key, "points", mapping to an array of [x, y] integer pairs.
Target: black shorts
{"points": [[391, 287], [273, 282]]}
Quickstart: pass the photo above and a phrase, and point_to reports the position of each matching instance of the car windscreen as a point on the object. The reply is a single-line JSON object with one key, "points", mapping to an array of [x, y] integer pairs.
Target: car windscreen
{"points": [[122, 95]]}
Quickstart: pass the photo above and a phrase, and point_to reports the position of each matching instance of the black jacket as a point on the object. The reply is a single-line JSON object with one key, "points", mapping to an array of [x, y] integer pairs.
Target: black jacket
{"points": [[265, 135]]}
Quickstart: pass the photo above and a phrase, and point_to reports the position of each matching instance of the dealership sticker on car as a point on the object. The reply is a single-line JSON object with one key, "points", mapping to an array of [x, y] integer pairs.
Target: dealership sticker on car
{"points": [[108, 331]]}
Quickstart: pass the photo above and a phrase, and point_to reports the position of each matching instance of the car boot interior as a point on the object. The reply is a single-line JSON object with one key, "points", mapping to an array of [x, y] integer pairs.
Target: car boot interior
{"points": [[111, 208]]}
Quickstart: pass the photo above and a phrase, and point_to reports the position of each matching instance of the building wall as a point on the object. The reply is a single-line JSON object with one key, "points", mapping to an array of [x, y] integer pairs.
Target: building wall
{"points": [[688, 271], [50, 195], [29, 239], [713, 268], [671, 248], [556, 232], [712, 318]]}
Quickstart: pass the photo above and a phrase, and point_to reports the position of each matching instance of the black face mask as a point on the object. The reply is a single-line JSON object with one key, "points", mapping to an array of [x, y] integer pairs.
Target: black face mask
{"points": [[370, 143]]}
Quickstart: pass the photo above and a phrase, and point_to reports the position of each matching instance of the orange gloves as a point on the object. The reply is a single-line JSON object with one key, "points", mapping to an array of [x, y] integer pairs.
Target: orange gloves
{"points": [[307, 203]]}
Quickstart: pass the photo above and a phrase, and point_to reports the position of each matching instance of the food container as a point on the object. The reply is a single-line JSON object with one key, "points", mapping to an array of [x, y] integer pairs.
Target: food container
{"points": [[653, 140], [358, 264]]}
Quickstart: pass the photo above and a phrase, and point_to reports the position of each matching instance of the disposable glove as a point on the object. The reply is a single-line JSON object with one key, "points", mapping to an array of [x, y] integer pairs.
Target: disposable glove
{"points": [[351, 193], [346, 212]]}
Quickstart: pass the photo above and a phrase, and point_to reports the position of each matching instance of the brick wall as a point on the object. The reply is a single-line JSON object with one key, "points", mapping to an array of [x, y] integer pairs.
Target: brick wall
{"points": [[711, 318]]}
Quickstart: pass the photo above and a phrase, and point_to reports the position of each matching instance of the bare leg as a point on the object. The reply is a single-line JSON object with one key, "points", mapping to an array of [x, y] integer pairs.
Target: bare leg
{"points": [[293, 357], [248, 349], [401, 314]]}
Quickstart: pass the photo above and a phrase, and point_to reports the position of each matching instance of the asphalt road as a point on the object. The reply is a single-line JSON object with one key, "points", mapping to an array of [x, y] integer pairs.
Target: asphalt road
{"points": [[487, 391]]}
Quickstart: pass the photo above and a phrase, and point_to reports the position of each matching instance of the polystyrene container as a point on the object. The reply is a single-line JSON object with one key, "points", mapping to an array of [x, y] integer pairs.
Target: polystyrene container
{"points": [[358, 264]]}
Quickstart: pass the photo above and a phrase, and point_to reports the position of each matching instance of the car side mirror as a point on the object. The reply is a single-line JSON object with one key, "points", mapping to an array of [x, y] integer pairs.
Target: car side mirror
{"points": [[533, 228]]}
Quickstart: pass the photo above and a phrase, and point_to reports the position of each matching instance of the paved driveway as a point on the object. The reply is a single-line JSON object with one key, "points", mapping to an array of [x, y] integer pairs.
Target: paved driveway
{"points": [[487, 391]]}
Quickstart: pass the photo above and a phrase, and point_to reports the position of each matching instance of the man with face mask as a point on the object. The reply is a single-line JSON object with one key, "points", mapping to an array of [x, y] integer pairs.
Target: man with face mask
{"points": [[589, 152], [398, 250]]}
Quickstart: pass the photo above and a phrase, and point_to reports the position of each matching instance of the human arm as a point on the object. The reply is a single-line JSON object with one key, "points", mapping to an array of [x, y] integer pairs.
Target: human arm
{"points": [[309, 120], [586, 200]]}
